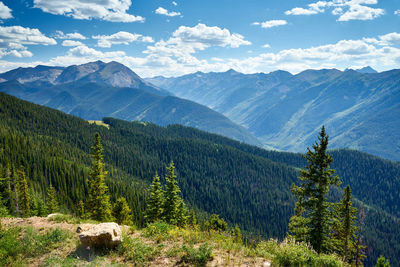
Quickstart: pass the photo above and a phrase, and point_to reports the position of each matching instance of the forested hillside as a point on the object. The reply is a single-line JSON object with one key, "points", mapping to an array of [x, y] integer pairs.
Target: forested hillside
{"points": [[244, 184]]}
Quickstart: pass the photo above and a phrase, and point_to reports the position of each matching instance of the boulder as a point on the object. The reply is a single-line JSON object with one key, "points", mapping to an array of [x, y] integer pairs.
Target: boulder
{"points": [[101, 235]]}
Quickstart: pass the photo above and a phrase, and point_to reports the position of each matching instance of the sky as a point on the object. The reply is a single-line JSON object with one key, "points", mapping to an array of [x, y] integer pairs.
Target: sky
{"points": [[172, 38]]}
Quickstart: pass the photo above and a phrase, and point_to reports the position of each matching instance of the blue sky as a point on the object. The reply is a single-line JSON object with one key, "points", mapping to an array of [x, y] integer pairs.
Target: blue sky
{"points": [[170, 38]]}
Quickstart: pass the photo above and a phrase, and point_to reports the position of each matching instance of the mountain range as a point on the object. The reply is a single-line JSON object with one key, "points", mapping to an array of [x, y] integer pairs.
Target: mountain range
{"points": [[359, 108], [97, 89]]}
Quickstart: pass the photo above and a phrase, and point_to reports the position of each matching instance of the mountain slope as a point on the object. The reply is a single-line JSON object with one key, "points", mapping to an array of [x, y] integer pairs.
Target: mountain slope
{"points": [[244, 184], [97, 89], [360, 110]]}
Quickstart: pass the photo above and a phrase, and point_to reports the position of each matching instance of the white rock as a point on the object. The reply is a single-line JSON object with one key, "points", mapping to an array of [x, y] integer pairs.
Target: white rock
{"points": [[102, 235], [53, 214]]}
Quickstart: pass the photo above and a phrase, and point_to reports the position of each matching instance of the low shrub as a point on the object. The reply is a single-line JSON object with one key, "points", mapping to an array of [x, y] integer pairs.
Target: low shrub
{"points": [[158, 231], [197, 257], [134, 249], [289, 253]]}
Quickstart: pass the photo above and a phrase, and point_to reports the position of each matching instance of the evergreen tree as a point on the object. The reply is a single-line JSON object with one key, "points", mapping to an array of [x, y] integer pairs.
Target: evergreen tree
{"points": [[51, 201], [360, 255], [99, 207], [344, 228], [298, 224], [81, 209], [122, 212], [154, 209], [181, 218], [237, 235], [10, 197], [215, 223], [172, 199], [3, 193], [23, 193], [192, 221], [382, 262], [38, 208], [313, 190], [15, 181]]}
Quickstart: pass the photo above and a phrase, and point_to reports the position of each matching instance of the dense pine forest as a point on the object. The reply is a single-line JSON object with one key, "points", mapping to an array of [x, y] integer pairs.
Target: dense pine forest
{"points": [[244, 184]]}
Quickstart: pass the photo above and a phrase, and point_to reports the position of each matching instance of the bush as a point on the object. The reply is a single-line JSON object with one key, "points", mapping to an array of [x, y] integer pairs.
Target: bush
{"points": [[158, 231], [197, 257], [267, 249], [215, 223], [133, 249], [290, 253]]}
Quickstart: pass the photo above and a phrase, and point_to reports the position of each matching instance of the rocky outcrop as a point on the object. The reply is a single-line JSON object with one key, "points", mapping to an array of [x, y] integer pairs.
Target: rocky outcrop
{"points": [[101, 235]]}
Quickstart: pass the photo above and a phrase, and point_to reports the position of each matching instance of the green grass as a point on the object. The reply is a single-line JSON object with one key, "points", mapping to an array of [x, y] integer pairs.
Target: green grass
{"points": [[289, 253], [60, 218], [18, 244], [197, 256], [136, 251]]}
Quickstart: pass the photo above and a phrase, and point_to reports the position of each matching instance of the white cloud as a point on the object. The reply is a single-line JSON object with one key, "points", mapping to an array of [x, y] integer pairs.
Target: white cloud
{"points": [[174, 3], [390, 38], [74, 35], [301, 11], [271, 23], [266, 46], [384, 40], [346, 9], [177, 55], [14, 38], [5, 11], [359, 12], [341, 55], [397, 12], [109, 10], [121, 37], [165, 12], [71, 43]]}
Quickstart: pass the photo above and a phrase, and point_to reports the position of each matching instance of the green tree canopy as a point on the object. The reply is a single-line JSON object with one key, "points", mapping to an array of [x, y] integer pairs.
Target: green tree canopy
{"points": [[313, 191], [99, 207], [154, 209]]}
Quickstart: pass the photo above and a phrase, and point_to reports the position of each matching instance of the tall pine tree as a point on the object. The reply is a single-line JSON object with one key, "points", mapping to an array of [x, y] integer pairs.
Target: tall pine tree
{"points": [[99, 206], [122, 212], [23, 193], [312, 192], [51, 201], [172, 198], [181, 218], [154, 209], [344, 228], [298, 224]]}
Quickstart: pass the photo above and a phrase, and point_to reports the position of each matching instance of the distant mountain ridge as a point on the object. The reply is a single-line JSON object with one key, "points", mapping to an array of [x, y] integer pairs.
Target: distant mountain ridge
{"points": [[285, 111], [97, 89]]}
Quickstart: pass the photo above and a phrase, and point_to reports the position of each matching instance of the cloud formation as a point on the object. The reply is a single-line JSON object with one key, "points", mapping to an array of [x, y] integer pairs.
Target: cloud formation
{"points": [[71, 43], [165, 12], [5, 11], [177, 57], [345, 9], [109, 10], [73, 35], [121, 37], [14, 38], [271, 23]]}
